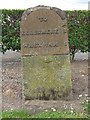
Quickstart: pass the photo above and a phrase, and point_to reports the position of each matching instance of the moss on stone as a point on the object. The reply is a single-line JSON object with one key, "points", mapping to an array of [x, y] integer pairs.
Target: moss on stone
{"points": [[46, 77]]}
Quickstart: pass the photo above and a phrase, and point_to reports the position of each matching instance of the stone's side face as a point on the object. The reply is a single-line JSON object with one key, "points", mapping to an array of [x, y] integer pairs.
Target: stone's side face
{"points": [[45, 53]]}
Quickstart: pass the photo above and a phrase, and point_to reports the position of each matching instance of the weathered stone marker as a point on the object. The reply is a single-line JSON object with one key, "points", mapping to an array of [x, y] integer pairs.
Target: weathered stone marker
{"points": [[45, 53]]}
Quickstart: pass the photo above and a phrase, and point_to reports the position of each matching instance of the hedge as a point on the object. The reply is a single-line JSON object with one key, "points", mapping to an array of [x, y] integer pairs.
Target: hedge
{"points": [[78, 30]]}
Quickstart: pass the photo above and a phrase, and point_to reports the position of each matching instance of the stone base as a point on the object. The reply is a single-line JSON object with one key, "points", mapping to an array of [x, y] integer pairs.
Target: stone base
{"points": [[46, 77]]}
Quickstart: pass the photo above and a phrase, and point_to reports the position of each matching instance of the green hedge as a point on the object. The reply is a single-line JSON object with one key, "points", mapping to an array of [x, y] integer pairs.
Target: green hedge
{"points": [[78, 30], [11, 29]]}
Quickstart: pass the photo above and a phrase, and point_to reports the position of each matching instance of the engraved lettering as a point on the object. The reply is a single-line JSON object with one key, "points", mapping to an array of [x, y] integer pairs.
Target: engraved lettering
{"points": [[39, 32], [43, 44], [41, 19], [44, 33]]}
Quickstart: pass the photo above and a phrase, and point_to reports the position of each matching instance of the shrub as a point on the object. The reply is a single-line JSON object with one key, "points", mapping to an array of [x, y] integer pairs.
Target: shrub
{"points": [[78, 29]]}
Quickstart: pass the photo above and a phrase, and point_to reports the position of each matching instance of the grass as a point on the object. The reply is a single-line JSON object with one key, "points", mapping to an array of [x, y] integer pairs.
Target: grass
{"points": [[58, 114], [46, 114], [15, 114]]}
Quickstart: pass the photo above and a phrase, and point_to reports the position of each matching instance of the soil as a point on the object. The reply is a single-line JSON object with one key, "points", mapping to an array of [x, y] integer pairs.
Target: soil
{"points": [[12, 88]]}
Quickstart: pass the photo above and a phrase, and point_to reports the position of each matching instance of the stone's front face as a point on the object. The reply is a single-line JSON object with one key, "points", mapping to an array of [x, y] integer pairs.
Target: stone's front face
{"points": [[45, 53], [43, 32], [46, 77]]}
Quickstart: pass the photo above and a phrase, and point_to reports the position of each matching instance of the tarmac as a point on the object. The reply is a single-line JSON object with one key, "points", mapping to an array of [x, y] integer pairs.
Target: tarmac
{"points": [[16, 56]]}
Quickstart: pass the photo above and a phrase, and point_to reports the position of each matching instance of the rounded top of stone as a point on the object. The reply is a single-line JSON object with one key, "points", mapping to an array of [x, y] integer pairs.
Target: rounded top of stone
{"points": [[61, 13]]}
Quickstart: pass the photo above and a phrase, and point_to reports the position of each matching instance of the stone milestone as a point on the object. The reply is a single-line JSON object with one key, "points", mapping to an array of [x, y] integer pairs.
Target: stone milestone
{"points": [[45, 53]]}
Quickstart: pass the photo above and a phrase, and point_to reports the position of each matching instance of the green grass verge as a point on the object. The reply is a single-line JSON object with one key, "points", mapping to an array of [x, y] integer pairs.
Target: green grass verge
{"points": [[58, 114], [15, 114], [48, 114]]}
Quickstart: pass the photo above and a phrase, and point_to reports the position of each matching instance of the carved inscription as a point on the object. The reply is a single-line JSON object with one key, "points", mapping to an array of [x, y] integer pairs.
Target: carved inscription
{"points": [[38, 45], [43, 32], [41, 19], [38, 32]]}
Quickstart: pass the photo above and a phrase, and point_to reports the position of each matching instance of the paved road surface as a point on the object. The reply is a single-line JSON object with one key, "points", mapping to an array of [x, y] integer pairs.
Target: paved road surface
{"points": [[16, 56]]}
